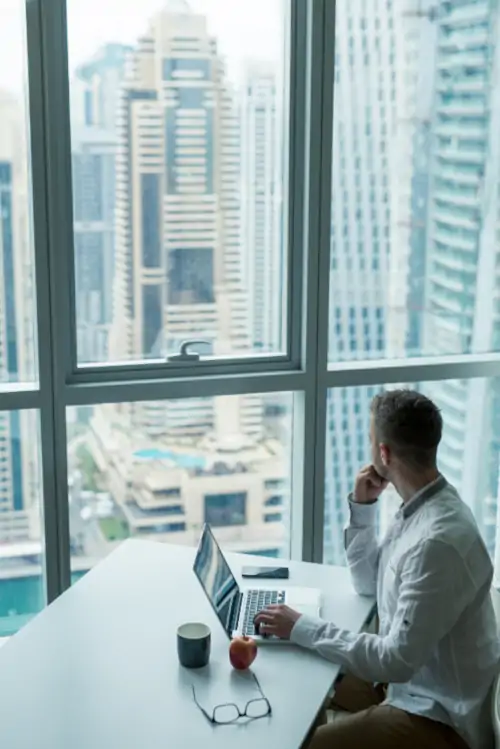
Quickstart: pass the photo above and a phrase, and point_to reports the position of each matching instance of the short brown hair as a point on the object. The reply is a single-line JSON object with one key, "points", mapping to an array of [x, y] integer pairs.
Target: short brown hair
{"points": [[410, 424]]}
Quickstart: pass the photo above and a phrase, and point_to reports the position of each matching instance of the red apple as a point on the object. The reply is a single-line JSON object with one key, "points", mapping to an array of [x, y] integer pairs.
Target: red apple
{"points": [[242, 652]]}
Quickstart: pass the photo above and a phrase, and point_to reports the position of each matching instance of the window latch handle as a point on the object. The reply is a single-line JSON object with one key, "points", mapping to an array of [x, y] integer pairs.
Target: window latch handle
{"points": [[185, 355]]}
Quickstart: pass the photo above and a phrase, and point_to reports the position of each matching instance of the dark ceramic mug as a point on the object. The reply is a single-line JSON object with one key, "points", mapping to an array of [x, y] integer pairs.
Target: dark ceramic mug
{"points": [[193, 644]]}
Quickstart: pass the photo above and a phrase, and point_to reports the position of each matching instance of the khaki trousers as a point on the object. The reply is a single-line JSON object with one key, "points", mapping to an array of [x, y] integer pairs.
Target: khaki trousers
{"points": [[368, 724]]}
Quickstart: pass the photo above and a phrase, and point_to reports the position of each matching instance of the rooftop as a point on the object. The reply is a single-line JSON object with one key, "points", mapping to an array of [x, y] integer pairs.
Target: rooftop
{"points": [[182, 460]]}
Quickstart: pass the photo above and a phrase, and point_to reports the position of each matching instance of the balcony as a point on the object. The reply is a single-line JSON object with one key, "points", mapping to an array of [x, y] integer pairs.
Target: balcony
{"points": [[464, 84], [473, 108], [454, 197], [464, 37], [465, 15], [448, 214], [443, 305], [451, 239], [471, 179], [455, 155], [450, 261], [463, 59], [445, 281], [461, 129]]}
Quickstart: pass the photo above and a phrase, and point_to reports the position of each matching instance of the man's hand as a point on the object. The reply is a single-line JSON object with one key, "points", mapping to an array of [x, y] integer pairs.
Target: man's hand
{"points": [[276, 620], [369, 485]]}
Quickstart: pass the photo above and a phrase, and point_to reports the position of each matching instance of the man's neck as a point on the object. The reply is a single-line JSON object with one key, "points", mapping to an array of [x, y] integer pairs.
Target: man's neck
{"points": [[410, 484]]}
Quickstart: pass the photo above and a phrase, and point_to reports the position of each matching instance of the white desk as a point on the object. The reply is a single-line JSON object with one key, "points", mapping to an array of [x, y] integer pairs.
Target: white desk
{"points": [[98, 668]]}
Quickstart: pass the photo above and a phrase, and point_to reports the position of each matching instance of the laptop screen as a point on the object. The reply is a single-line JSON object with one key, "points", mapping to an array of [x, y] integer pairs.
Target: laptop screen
{"points": [[216, 579]]}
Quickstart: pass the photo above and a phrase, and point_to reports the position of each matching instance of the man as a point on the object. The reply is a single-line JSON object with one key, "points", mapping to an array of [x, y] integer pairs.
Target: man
{"points": [[425, 678]]}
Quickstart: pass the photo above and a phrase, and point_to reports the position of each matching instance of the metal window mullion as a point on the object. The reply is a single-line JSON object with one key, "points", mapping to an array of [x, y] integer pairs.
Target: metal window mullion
{"points": [[424, 369], [357, 373], [162, 370], [45, 39], [205, 387], [19, 397], [295, 164], [59, 178], [310, 424]]}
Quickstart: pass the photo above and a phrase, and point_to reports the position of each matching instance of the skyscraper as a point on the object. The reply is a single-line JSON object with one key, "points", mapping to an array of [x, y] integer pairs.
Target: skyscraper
{"points": [[95, 91], [421, 21], [93, 161], [178, 268], [462, 258], [18, 459], [377, 126], [262, 203]]}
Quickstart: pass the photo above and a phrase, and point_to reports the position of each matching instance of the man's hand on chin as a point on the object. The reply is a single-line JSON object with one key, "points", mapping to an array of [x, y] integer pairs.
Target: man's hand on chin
{"points": [[277, 620]]}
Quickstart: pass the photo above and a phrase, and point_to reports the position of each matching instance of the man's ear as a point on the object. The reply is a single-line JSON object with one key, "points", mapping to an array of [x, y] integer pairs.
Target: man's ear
{"points": [[385, 454]]}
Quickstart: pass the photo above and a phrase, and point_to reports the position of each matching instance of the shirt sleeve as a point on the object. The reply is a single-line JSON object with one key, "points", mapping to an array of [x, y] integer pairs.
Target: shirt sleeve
{"points": [[362, 548], [435, 588]]}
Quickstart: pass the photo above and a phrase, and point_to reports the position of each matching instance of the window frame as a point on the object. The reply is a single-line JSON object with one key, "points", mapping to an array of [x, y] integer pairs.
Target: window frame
{"points": [[304, 370], [60, 187]]}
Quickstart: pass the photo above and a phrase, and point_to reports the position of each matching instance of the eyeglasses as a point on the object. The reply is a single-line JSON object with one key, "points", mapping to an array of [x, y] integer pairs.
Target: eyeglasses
{"points": [[229, 712]]}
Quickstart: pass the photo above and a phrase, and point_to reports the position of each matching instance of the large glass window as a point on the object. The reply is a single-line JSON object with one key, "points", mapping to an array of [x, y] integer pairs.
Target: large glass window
{"points": [[178, 137], [22, 589], [469, 454], [160, 470], [17, 296], [195, 128], [414, 253]]}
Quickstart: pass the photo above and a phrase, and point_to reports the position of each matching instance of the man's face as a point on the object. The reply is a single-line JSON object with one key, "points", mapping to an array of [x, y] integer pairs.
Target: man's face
{"points": [[376, 457]]}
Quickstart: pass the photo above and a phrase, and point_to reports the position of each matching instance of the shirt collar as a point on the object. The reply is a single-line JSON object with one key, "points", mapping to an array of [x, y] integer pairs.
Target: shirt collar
{"points": [[418, 499]]}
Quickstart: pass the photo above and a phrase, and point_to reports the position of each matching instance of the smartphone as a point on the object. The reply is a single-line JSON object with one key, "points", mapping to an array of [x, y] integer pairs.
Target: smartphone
{"points": [[266, 573]]}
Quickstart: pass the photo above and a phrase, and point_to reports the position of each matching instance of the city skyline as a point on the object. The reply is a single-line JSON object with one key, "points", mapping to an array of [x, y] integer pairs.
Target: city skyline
{"points": [[184, 268], [179, 207], [380, 303]]}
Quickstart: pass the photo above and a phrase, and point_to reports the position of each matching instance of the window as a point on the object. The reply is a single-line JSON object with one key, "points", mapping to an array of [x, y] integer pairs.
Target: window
{"points": [[22, 584], [469, 455], [274, 501], [164, 468], [22, 589], [222, 201], [170, 191], [273, 484], [226, 509], [429, 316], [273, 517], [17, 271]]}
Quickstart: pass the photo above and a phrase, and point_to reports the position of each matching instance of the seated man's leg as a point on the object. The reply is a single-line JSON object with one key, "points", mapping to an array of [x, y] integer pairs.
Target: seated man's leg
{"points": [[353, 694], [385, 727]]}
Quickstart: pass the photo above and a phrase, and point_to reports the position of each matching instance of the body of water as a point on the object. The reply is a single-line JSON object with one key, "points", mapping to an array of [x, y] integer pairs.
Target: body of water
{"points": [[21, 598]]}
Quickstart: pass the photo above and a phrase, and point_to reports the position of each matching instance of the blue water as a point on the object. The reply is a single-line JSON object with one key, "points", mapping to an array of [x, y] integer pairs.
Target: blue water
{"points": [[21, 598], [183, 461]]}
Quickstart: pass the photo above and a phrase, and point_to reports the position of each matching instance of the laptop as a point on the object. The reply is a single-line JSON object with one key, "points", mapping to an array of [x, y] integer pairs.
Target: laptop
{"points": [[237, 606]]}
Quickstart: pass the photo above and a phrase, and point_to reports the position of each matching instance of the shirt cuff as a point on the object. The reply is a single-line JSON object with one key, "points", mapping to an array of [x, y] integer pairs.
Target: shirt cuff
{"points": [[362, 514], [304, 630]]}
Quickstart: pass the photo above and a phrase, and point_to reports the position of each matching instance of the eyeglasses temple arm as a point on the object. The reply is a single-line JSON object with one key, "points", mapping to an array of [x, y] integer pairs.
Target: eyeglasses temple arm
{"points": [[258, 685], [262, 693], [207, 716]]}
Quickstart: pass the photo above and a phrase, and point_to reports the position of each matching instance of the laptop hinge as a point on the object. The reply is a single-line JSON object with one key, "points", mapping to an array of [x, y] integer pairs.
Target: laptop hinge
{"points": [[236, 613]]}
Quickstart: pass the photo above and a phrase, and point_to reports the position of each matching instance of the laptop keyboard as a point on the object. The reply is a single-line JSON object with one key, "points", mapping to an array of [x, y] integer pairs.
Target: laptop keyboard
{"points": [[256, 601]]}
